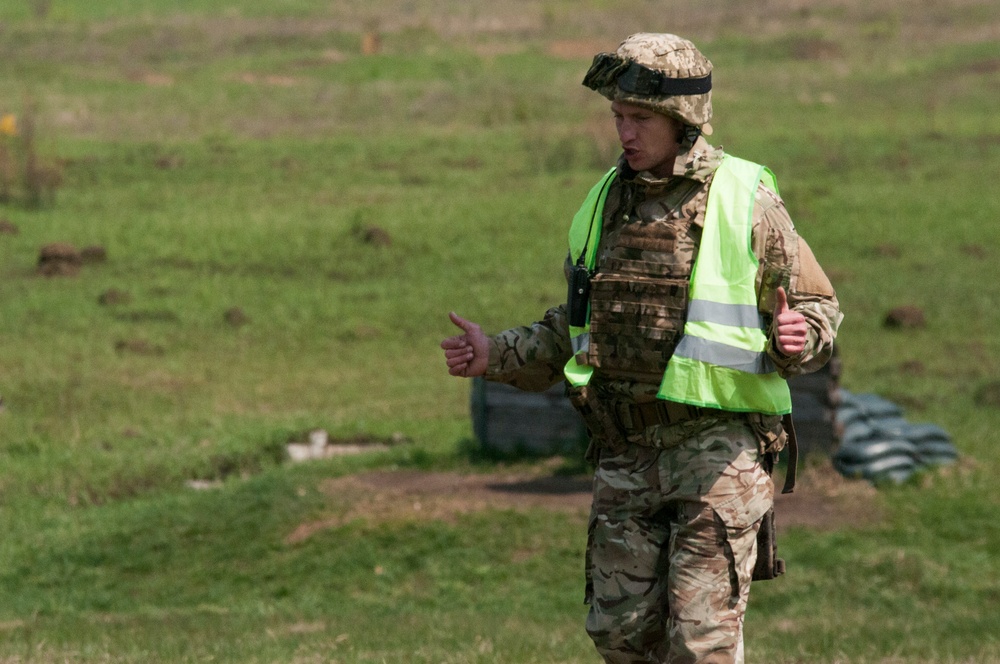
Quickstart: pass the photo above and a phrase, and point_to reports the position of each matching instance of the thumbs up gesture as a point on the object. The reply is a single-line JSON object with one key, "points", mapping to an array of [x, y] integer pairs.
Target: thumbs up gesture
{"points": [[790, 327], [466, 354]]}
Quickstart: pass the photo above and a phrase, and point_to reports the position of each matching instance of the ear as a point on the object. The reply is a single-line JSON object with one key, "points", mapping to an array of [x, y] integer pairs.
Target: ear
{"points": [[680, 130]]}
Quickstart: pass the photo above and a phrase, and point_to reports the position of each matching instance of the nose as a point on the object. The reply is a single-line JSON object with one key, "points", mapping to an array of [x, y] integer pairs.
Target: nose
{"points": [[626, 131]]}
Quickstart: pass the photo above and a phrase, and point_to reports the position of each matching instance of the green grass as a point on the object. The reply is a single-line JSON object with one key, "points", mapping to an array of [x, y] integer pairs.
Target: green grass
{"points": [[220, 563], [920, 589], [235, 156]]}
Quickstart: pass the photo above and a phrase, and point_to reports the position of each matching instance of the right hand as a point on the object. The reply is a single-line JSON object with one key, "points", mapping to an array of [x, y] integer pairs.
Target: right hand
{"points": [[467, 354], [790, 327]]}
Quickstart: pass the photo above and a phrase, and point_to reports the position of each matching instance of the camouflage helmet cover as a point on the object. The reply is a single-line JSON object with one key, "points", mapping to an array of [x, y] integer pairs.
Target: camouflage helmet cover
{"points": [[662, 72]]}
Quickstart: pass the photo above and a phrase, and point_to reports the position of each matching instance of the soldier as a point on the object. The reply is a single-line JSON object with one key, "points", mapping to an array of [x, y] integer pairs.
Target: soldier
{"points": [[691, 300]]}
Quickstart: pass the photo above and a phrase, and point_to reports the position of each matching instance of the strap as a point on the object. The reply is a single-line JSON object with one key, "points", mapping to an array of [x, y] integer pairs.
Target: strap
{"points": [[590, 215], [634, 78], [637, 79], [661, 412], [793, 454]]}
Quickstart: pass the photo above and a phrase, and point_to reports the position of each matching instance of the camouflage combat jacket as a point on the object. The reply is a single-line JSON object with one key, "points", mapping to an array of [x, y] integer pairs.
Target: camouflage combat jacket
{"points": [[658, 221]]}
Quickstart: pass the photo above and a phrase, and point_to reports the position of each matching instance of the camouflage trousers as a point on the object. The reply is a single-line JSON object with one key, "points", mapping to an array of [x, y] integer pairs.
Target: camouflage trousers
{"points": [[672, 545]]}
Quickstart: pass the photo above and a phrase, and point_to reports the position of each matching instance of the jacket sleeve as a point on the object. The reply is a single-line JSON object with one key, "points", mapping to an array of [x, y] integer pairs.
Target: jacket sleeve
{"points": [[532, 357], [786, 260]]}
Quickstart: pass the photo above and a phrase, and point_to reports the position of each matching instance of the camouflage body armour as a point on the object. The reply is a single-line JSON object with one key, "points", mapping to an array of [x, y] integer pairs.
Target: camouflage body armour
{"points": [[638, 298]]}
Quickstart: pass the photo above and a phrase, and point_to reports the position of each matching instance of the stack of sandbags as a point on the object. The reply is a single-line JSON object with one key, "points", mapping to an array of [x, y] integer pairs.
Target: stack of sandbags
{"points": [[507, 421], [877, 443], [815, 400]]}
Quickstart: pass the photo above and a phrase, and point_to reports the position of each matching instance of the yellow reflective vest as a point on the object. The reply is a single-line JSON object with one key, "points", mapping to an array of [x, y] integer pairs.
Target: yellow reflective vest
{"points": [[721, 359]]}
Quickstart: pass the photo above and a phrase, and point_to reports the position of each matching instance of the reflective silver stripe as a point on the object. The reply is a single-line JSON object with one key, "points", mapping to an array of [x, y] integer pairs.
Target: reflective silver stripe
{"points": [[580, 342], [724, 355], [733, 315]]}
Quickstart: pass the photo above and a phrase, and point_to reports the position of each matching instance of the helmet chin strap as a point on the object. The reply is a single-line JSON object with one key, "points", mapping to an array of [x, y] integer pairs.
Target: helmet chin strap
{"points": [[691, 134]]}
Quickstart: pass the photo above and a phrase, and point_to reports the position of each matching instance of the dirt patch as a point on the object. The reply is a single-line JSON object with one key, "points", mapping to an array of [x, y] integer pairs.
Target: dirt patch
{"points": [[59, 259], [137, 347], [276, 80], [816, 49], [823, 499], [152, 79], [975, 251], [407, 495], [908, 317], [236, 317], [374, 235]]}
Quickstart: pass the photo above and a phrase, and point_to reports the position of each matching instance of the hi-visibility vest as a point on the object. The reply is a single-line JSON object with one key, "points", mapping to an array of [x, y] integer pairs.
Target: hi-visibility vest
{"points": [[721, 359], [585, 235]]}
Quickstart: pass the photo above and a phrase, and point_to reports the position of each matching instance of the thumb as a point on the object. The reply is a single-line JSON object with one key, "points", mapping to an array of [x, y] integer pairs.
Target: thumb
{"points": [[459, 321], [780, 301]]}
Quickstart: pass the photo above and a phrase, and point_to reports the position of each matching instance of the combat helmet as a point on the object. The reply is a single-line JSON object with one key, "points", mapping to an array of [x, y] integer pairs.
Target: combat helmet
{"points": [[662, 72]]}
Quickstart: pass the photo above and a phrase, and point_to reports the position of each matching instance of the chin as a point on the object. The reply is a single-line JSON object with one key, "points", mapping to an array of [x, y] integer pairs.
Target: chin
{"points": [[635, 164]]}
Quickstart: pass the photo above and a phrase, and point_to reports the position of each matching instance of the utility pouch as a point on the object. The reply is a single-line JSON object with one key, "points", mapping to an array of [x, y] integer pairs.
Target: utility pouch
{"points": [[768, 565], [578, 297], [605, 432]]}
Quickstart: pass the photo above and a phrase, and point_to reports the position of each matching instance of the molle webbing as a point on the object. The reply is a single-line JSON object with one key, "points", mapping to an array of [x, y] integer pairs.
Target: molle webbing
{"points": [[635, 322]]}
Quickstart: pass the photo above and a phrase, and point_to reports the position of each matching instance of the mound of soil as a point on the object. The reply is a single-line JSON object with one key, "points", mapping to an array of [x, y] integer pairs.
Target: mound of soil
{"points": [[823, 499], [905, 317], [236, 317], [113, 297], [59, 259]]}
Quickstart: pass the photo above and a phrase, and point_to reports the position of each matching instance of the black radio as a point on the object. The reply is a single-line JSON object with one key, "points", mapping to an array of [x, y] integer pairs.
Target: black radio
{"points": [[578, 297]]}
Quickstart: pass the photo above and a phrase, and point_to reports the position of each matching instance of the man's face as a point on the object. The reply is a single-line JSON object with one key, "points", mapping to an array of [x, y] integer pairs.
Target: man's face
{"points": [[650, 140]]}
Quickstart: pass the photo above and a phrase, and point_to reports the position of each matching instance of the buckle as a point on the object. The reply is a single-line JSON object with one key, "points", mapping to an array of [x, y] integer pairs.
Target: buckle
{"points": [[639, 80]]}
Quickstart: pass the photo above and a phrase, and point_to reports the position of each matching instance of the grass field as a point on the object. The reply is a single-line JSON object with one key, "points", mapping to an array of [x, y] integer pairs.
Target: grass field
{"points": [[287, 221]]}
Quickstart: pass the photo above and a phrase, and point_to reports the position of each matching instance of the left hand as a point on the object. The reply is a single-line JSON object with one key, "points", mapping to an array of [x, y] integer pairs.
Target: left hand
{"points": [[790, 327], [466, 354]]}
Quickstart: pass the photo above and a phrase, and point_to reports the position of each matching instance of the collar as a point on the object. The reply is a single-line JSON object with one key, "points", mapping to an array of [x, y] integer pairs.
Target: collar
{"points": [[694, 162]]}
